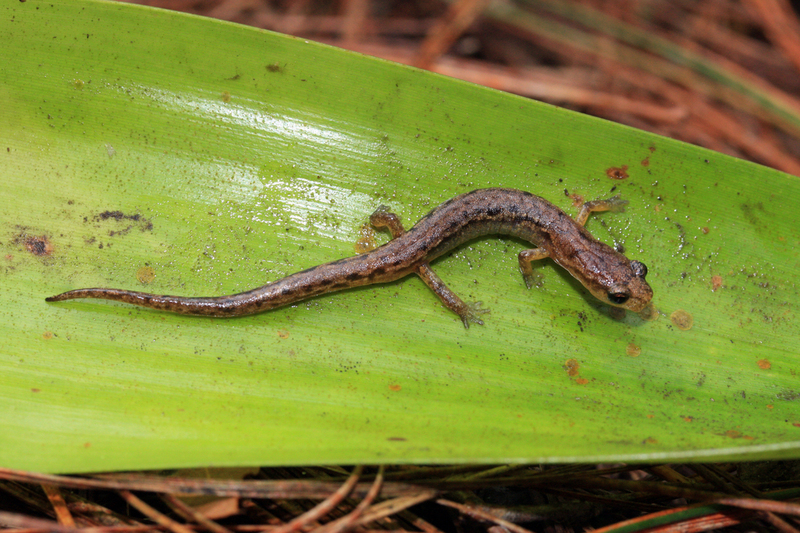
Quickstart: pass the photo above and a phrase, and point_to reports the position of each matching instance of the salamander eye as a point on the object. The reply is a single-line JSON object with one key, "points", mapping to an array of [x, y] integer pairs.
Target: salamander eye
{"points": [[618, 297], [639, 269]]}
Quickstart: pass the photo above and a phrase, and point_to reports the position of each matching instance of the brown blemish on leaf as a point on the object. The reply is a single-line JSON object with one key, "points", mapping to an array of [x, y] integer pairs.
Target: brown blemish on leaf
{"points": [[47, 335], [38, 245], [734, 434], [764, 364], [716, 282], [366, 240], [581, 381], [633, 350], [617, 173], [395, 388], [682, 320], [705, 230], [283, 334], [274, 67], [646, 162], [572, 367], [145, 275], [36, 390]]}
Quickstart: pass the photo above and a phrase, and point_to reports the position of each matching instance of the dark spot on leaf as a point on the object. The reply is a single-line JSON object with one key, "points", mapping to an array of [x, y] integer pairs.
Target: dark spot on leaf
{"points": [[143, 223], [38, 245]]}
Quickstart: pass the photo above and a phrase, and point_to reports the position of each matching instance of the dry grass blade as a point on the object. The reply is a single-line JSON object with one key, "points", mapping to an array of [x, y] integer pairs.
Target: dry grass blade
{"points": [[441, 36], [189, 514], [325, 506], [483, 515], [781, 524], [159, 518], [346, 522], [762, 505], [782, 26], [59, 505], [390, 507], [679, 523], [277, 489], [20, 521]]}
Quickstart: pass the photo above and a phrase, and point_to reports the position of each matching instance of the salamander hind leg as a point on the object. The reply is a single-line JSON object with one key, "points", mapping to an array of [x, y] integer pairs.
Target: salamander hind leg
{"points": [[526, 257], [469, 312], [383, 218], [615, 204]]}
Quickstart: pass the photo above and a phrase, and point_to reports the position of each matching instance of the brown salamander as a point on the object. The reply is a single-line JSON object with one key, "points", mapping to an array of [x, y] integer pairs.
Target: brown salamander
{"points": [[607, 274]]}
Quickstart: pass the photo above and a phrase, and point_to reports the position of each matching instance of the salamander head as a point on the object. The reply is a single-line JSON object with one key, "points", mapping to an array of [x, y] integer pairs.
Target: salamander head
{"points": [[610, 276], [623, 285]]}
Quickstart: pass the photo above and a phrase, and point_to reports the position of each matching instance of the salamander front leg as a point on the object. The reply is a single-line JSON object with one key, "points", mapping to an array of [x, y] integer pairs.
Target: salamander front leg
{"points": [[383, 218], [526, 257], [614, 204], [469, 312]]}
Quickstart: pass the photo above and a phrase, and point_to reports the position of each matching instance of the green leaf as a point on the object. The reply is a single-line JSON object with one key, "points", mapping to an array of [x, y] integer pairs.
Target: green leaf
{"points": [[213, 158]]}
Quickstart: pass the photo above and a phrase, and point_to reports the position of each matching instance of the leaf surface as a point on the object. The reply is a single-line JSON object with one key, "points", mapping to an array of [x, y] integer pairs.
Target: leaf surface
{"points": [[155, 151]]}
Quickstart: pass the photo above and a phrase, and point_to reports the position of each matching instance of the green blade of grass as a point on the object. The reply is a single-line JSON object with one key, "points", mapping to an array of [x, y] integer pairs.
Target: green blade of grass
{"points": [[154, 151]]}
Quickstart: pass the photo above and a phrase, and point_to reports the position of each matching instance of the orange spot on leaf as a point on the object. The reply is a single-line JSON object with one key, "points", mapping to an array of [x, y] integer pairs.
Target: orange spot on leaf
{"points": [[572, 367], [617, 173], [577, 200]]}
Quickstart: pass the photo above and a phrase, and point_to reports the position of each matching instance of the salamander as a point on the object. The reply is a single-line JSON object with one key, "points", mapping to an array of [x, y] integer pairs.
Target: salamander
{"points": [[608, 274]]}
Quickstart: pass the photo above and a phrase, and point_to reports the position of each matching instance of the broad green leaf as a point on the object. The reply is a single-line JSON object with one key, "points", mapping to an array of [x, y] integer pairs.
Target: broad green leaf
{"points": [[213, 158]]}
